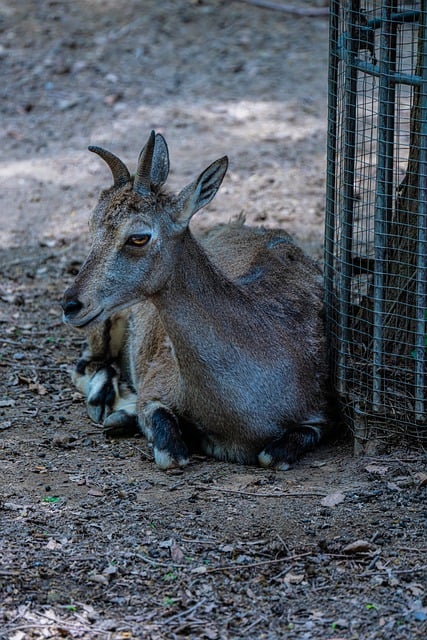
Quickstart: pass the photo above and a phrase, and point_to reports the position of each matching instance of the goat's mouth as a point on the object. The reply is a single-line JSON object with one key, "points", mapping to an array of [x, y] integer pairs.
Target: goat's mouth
{"points": [[85, 321]]}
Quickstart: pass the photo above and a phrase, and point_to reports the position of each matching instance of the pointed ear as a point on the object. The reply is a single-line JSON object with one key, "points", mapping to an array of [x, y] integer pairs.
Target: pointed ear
{"points": [[200, 192], [160, 165]]}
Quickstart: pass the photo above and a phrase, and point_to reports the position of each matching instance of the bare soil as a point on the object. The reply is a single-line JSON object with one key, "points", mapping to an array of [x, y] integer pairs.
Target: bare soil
{"points": [[95, 541]]}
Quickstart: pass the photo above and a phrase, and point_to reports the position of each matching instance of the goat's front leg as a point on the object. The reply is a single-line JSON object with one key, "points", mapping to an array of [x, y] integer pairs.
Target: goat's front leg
{"points": [[161, 427], [97, 373]]}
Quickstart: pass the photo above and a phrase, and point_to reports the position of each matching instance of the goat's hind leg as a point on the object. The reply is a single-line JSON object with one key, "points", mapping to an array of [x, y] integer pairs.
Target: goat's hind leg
{"points": [[282, 452]]}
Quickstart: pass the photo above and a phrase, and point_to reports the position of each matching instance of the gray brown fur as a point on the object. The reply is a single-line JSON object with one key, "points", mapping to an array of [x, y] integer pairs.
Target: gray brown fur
{"points": [[225, 342]]}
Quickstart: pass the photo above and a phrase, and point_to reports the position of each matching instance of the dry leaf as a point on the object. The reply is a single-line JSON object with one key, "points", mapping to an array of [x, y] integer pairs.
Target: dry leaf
{"points": [[377, 469], [52, 544], [100, 579], [333, 499], [294, 578], [7, 403], [40, 469], [176, 553], [39, 388], [358, 546], [199, 570], [95, 492], [421, 479]]}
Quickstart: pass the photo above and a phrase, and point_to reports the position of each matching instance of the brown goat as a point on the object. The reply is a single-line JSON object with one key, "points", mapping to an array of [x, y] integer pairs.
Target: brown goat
{"points": [[224, 345]]}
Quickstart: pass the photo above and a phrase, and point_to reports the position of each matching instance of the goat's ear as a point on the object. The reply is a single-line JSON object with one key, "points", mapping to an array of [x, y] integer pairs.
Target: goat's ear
{"points": [[160, 165], [200, 192]]}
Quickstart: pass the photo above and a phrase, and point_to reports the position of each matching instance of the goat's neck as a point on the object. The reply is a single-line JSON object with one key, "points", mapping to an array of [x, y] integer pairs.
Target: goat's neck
{"points": [[200, 306]]}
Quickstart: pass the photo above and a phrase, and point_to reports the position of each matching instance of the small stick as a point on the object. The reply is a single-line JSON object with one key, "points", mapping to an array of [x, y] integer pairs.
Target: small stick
{"points": [[187, 612], [264, 495], [261, 563]]}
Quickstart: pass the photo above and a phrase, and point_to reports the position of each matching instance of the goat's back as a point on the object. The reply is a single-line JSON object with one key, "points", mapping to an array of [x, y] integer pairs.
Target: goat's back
{"points": [[269, 266]]}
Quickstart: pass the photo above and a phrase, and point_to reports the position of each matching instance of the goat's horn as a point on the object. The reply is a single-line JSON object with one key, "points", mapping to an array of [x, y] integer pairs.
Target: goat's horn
{"points": [[142, 183], [118, 168]]}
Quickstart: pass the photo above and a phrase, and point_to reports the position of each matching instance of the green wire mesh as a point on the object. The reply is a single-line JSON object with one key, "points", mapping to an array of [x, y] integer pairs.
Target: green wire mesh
{"points": [[376, 218]]}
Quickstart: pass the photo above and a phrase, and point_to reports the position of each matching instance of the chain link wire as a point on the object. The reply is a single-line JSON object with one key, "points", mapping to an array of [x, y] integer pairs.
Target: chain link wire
{"points": [[376, 219]]}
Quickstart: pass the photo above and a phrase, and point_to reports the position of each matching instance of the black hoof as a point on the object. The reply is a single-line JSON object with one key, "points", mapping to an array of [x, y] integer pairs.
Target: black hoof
{"points": [[283, 452], [120, 424], [169, 448]]}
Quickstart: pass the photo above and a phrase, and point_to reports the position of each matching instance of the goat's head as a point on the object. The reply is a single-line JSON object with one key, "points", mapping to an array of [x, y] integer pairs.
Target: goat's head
{"points": [[136, 233]]}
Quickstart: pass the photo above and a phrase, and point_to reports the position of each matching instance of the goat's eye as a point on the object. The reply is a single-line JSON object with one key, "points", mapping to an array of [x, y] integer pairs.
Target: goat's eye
{"points": [[138, 239]]}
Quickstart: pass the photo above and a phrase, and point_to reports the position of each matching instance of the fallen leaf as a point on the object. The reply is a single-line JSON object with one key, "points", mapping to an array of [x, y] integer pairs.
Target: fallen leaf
{"points": [[110, 571], [392, 486], [341, 623], [416, 589], [199, 570], [377, 469], [39, 388], [63, 440], [333, 499], [77, 479], [421, 479], [166, 544], [52, 544], [97, 493], [100, 579], [176, 553], [7, 403], [358, 546], [40, 469], [294, 578]]}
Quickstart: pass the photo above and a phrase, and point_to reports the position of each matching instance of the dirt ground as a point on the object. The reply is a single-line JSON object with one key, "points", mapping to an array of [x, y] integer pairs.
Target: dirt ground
{"points": [[95, 541]]}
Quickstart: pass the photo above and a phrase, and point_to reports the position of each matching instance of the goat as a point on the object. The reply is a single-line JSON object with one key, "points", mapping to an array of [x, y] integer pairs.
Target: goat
{"points": [[216, 340]]}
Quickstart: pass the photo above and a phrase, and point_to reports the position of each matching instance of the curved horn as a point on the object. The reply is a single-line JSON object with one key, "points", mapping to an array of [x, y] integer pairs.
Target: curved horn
{"points": [[118, 168], [142, 183]]}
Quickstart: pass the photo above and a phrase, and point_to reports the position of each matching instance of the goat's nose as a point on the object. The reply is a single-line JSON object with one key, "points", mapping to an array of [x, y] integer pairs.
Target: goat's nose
{"points": [[70, 305]]}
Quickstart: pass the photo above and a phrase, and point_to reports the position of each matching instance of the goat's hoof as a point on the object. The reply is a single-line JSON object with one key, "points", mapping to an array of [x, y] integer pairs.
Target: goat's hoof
{"points": [[102, 394], [120, 424], [169, 448], [284, 451], [165, 460], [268, 461]]}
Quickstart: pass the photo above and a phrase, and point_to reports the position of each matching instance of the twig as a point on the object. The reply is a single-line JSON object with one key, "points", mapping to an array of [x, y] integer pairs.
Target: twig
{"points": [[55, 623], [261, 563], [285, 8], [199, 541], [254, 624], [185, 613], [263, 495], [14, 343], [366, 574], [144, 454], [158, 563]]}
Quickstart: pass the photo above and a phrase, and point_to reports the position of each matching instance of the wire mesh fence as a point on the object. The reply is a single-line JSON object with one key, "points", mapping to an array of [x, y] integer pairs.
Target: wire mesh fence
{"points": [[376, 218]]}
